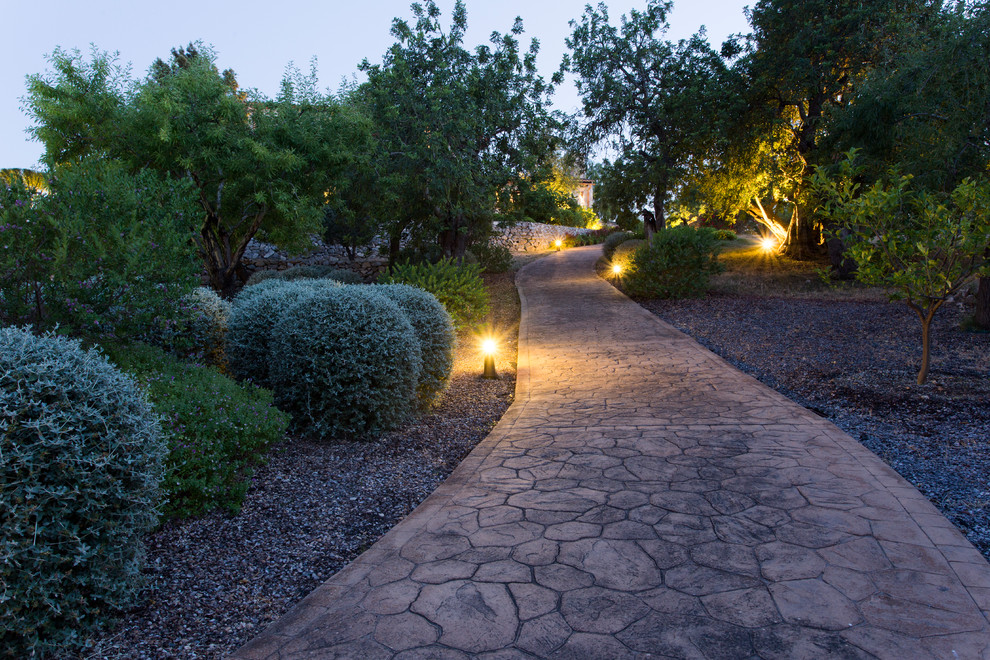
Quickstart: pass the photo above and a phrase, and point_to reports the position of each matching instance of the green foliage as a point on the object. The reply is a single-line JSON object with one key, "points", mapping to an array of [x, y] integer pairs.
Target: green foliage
{"points": [[455, 126], [215, 428], [208, 315], [105, 253], [650, 98], [614, 240], [458, 287], [82, 462], [922, 245], [624, 253], [493, 256], [259, 166], [348, 363], [725, 235], [435, 332], [677, 263], [254, 314], [342, 275]]}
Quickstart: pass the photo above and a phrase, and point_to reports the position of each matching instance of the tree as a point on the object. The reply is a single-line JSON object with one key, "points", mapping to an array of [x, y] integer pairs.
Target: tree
{"points": [[921, 244], [805, 59], [646, 96], [928, 115], [456, 126], [259, 167]]}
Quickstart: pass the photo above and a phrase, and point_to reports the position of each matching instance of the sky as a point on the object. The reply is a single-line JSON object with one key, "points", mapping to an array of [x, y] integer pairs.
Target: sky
{"points": [[258, 39]]}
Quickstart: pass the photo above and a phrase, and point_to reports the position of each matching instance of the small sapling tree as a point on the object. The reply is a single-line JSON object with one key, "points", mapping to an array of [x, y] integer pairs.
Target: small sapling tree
{"points": [[921, 245]]}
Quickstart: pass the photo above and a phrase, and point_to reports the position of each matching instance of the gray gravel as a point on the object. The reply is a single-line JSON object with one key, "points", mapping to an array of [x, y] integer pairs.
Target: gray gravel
{"points": [[219, 580], [856, 364]]}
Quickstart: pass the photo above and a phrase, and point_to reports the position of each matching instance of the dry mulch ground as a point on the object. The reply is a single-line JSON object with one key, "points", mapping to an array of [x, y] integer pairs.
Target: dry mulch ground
{"points": [[217, 581], [855, 362]]}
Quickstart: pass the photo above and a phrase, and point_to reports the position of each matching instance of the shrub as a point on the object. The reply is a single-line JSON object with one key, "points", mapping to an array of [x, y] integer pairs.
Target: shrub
{"points": [[348, 363], [259, 276], [208, 315], [677, 263], [215, 428], [493, 256], [105, 253], [82, 463], [725, 235], [254, 313], [459, 288], [341, 275], [435, 332], [623, 254], [613, 241]]}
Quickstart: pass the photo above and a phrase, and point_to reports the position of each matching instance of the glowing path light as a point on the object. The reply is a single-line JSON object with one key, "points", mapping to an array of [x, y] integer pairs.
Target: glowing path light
{"points": [[488, 347]]}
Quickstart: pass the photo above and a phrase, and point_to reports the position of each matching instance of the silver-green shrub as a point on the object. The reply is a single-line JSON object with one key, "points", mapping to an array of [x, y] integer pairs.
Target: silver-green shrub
{"points": [[435, 331], [342, 275], [208, 318], [613, 241], [345, 362], [254, 313], [81, 458]]}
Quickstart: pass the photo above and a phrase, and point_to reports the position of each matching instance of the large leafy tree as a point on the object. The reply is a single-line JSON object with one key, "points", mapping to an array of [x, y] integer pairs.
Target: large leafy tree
{"points": [[647, 98], [806, 59], [259, 167], [928, 115], [455, 126]]}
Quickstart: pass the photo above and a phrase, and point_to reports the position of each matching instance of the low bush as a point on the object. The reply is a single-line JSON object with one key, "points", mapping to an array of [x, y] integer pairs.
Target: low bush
{"points": [[341, 275], [215, 428], [623, 254], [348, 363], [493, 256], [613, 241], [254, 313], [81, 465], [725, 235], [208, 315], [435, 332], [677, 263], [458, 287]]}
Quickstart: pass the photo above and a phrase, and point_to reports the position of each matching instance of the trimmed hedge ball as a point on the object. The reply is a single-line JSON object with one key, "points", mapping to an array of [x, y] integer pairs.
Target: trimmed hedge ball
{"points": [[345, 362], [435, 331], [254, 313], [81, 463]]}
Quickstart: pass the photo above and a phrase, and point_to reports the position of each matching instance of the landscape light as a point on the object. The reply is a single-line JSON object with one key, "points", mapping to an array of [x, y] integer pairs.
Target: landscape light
{"points": [[488, 347], [558, 243], [616, 269], [768, 244]]}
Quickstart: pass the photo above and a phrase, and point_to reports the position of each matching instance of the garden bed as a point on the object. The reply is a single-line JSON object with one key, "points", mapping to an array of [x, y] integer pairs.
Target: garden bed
{"points": [[219, 580]]}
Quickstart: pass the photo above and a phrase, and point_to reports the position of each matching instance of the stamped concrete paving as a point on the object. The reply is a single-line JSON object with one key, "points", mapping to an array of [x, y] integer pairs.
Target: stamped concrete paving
{"points": [[642, 498]]}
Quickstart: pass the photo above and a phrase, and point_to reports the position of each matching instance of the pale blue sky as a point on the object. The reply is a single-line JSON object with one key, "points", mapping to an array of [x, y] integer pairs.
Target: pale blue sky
{"points": [[257, 39]]}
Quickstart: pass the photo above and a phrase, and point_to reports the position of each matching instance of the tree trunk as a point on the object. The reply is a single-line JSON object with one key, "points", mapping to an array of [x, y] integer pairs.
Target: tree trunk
{"points": [[926, 323], [217, 257], [801, 243], [982, 316], [649, 224]]}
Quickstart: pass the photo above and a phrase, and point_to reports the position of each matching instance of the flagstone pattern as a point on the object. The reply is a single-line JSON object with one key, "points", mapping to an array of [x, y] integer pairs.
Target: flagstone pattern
{"points": [[644, 499]]}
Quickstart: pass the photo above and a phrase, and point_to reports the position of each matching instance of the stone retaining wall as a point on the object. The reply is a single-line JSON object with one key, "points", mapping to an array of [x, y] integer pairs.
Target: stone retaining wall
{"points": [[521, 237]]}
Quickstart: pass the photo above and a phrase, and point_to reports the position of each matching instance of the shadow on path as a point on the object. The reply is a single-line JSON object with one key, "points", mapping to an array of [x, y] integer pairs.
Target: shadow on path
{"points": [[642, 498]]}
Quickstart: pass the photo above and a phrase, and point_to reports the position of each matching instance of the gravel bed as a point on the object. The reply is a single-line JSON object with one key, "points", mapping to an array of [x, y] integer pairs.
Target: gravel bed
{"points": [[217, 581], [856, 364]]}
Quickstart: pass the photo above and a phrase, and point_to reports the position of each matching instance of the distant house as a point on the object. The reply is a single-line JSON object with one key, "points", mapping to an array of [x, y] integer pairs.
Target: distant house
{"points": [[585, 193]]}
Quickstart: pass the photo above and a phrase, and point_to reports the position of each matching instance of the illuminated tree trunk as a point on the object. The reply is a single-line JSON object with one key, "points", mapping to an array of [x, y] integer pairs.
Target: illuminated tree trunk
{"points": [[802, 237]]}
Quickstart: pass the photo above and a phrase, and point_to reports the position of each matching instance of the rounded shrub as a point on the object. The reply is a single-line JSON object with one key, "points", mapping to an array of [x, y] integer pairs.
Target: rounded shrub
{"points": [[254, 313], [493, 255], [613, 241], [81, 468], [345, 362], [458, 287], [259, 276], [208, 318], [676, 263], [725, 235], [435, 332]]}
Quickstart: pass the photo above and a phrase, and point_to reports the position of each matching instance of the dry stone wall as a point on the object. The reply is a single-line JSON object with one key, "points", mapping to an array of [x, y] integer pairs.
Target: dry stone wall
{"points": [[521, 237]]}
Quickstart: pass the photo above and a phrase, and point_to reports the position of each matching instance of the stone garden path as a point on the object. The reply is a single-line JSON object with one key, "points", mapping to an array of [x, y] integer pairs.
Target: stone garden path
{"points": [[643, 499]]}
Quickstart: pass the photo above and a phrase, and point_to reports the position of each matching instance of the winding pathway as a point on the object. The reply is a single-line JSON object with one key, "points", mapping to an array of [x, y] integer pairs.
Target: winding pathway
{"points": [[643, 499]]}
